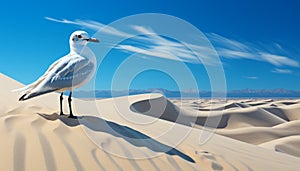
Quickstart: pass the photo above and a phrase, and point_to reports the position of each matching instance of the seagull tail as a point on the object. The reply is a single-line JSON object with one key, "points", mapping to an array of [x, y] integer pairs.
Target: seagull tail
{"points": [[26, 89], [29, 87], [30, 95], [22, 98], [23, 89]]}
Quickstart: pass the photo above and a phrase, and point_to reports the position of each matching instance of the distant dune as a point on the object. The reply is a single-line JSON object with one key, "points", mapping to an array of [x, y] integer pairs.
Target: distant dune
{"points": [[147, 132], [243, 93], [272, 124]]}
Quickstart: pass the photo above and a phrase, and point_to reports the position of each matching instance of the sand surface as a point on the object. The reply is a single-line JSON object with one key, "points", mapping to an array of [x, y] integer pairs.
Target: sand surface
{"points": [[147, 132], [272, 124]]}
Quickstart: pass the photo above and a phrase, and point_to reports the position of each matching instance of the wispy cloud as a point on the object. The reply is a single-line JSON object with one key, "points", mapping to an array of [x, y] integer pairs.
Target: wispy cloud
{"points": [[282, 71], [251, 77], [150, 43], [149, 52], [278, 60], [93, 25], [229, 48], [153, 45], [226, 42], [158, 46]]}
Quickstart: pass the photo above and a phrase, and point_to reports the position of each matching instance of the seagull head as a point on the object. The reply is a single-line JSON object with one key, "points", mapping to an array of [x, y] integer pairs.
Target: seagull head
{"points": [[81, 38], [78, 39]]}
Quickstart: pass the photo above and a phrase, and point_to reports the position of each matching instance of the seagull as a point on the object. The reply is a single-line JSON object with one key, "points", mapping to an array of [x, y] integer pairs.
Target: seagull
{"points": [[67, 73]]}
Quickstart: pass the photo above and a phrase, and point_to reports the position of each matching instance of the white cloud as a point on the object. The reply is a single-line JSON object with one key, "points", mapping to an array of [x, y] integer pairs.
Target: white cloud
{"points": [[60, 21], [154, 45], [233, 44], [278, 46], [228, 48], [92, 25], [251, 77], [278, 60], [282, 71], [148, 52], [228, 53]]}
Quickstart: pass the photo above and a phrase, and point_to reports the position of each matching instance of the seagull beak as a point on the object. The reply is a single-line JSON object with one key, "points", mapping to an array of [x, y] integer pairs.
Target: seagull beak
{"points": [[93, 40]]}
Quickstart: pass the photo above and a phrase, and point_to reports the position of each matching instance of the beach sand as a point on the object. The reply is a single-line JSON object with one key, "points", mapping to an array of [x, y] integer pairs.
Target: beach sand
{"points": [[147, 132]]}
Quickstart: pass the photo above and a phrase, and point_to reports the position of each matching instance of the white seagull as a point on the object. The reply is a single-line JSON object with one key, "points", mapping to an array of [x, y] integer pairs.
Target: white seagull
{"points": [[67, 73]]}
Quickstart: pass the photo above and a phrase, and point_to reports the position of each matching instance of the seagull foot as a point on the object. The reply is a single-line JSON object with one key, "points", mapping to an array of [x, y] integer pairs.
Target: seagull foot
{"points": [[72, 117]]}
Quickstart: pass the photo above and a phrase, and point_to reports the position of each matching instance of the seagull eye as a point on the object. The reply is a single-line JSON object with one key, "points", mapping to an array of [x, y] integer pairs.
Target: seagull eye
{"points": [[79, 36]]}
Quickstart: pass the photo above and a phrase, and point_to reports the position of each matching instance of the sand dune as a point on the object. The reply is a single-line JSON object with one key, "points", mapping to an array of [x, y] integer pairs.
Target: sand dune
{"points": [[273, 124], [289, 145], [139, 133], [259, 135]]}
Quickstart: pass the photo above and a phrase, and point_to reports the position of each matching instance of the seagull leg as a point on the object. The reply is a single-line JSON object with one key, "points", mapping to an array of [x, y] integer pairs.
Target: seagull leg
{"points": [[70, 106], [61, 100]]}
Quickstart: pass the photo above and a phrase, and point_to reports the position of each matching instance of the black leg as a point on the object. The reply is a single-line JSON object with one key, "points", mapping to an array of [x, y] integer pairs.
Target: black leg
{"points": [[61, 100], [70, 106]]}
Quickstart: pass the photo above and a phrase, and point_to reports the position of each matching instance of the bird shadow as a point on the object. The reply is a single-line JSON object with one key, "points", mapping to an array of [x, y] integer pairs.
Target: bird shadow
{"points": [[130, 135]]}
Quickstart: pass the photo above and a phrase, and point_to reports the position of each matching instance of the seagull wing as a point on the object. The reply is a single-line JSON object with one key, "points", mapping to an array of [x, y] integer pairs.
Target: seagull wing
{"points": [[68, 72], [70, 69], [38, 81]]}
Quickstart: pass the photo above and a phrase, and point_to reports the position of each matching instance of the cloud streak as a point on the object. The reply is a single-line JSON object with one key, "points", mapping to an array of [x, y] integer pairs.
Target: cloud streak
{"points": [[233, 49], [251, 77], [93, 25], [150, 44], [282, 71], [153, 45]]}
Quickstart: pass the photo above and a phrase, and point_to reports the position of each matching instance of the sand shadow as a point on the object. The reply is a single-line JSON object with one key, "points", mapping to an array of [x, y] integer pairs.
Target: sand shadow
{"points": [[173, 114], [132, 136]]}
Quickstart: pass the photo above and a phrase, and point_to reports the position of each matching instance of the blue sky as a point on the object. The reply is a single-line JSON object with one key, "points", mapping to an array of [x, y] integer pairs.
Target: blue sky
{"points": [[258, 42]]}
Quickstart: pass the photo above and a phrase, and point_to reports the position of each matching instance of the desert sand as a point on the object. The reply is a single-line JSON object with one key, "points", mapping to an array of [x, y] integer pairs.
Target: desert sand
{"points": [[147, 132]]}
